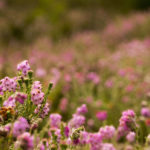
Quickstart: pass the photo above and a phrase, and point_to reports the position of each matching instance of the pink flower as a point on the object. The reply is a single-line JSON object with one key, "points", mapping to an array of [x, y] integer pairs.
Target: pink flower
{"points": [[8, 84], [127, 119], [130, 137], [55, 120], [24, 67], [145, 112], [10, 102], [37, 96], [101, 115], [93, 77], [40, 72], [20, 126], [95, 140], [63, 104], [25, 141], [82, 109], [20, 97], [107, 132], [109, 83], [45, 110], [76, 121]]}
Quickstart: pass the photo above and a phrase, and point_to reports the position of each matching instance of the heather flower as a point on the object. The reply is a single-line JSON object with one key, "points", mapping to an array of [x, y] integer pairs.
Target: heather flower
{"points": [[20, 126], [66, 131], [58, 134], [41, 146], [82, 109], [130, 137], [55, 120], [101, 115], [36, 85], [127, 120], [145, 112], [129, 88], [95, 140], [84, 137], [107, 132], [24, 67], [10, 102], [8, 84], [20, 97], [121, 132], [76, 121], [93, 77], [25, 141], [45, 110], [37, 96], [69, 141]]}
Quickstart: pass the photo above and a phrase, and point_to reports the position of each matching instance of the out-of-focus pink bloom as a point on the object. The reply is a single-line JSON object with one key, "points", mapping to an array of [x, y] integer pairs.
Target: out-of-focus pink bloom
{"points": [[79, 77], [82, 109], [89, 99], [20, 126], [145, 112], [109, 83], [101, 115], [40, 72], [56, 76], [10, 102], [66, 131], [26, 141], [63, 104], [130, 136], [55, 120], [76, 121], [122, 72], [129, 88], [90, 122], [84, 137], [95, 140], [93, 77], [127, 120], [67, 77], [125, 99], [107, 132]]}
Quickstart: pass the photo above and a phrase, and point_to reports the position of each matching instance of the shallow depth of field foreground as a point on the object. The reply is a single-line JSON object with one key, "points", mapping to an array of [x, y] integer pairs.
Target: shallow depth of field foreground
{"points": [[74, 75]]}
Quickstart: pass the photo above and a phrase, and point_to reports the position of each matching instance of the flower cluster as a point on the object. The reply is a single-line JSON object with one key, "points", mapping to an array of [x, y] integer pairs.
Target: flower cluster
{"points": [[23, 121], [37, 96], [24, 67], [8, 84]]}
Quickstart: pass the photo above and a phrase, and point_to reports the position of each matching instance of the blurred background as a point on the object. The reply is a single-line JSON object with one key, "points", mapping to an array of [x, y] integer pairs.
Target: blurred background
{"points": [[24, 22], [55, 35]]}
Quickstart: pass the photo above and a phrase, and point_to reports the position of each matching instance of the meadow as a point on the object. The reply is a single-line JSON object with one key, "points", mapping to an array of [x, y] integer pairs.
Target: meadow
{"points": [[88, 92]]}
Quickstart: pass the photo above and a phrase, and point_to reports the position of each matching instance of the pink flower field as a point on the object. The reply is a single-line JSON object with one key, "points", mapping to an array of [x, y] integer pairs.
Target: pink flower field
{"points": [[90, 91]]}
